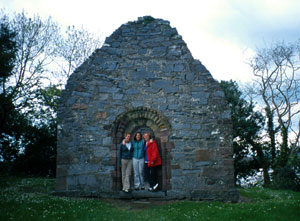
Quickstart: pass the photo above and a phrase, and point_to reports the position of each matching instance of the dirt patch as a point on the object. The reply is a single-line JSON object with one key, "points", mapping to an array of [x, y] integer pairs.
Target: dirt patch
{"points": [[140, 204], [244, 199]]}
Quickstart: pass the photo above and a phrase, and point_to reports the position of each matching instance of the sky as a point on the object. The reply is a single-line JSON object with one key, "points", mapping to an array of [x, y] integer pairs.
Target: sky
{"points": [[222, 34]]}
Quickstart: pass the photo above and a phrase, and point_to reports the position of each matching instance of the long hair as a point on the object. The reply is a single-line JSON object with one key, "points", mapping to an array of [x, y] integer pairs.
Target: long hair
{"points": [[137, 134]]}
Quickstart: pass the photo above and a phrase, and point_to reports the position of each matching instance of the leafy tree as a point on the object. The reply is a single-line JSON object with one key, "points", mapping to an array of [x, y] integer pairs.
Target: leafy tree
{"points": [[45, 55], [7, 108], [33, 50], [24, 42], [39, 156], [7, 52], [249, 154]]}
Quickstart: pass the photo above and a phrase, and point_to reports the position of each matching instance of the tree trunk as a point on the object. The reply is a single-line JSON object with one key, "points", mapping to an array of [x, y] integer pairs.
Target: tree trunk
{"points": [[267, 180], [284, 147], [271, 133], [263, 161]]}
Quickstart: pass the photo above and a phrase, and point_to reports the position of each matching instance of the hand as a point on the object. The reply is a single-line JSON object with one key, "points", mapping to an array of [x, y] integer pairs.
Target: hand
{"points": [[152, 163], [123, 142], [151, 140]]}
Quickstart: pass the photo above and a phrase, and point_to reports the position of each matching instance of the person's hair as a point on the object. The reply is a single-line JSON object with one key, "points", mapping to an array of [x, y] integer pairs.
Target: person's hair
{"points": [[127, 134], [137, 134], [148, 134]]}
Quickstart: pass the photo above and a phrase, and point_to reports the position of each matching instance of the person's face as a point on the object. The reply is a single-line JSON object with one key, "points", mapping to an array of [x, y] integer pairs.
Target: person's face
{"points": [[138, 136], [146, 137], [127, 138]]}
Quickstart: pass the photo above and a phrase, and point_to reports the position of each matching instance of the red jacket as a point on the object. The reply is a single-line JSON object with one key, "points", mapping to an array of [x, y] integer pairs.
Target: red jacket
{"points": [[153, 154]]}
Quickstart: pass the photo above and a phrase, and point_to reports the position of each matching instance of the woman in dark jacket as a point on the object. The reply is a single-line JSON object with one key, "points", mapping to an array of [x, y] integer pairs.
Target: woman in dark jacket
{"points": [[153, 159], [125, 161]]}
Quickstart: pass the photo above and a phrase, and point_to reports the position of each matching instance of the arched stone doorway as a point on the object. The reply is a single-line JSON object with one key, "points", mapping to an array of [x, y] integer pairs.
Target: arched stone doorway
{"points": [[143, 119]]}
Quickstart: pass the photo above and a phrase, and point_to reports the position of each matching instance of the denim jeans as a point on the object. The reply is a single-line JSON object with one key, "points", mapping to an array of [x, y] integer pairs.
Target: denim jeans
{"points": [[138, 171]]}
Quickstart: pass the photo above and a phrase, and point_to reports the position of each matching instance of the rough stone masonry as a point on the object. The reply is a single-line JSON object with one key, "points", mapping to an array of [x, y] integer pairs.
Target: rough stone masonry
{"points": [[144, 78]]}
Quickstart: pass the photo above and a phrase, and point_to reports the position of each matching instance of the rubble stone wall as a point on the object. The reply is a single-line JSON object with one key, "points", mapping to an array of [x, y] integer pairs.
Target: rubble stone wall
{"points": [[144, 76]]}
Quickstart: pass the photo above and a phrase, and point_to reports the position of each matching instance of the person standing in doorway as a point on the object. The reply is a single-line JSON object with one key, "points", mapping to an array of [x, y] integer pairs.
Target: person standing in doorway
{"points": [[138, 162], [153, 159], [125, 154]]}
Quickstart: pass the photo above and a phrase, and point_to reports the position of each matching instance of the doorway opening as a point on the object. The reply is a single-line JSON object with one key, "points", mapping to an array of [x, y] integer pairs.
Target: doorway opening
{"points": [[143, 120]]}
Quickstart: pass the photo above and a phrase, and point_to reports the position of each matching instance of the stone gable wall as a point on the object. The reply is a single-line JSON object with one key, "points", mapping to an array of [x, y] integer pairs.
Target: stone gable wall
{"points": [[145, 76]]}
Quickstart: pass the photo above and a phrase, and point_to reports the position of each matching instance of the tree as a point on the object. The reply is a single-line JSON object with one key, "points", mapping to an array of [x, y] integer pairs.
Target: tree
{"points": [[7, 109], [75, 46], [7, 51], [277, 78], [25, 52], [29, 60], [249, 153], [39, 154], [36, 51], [44, 55]]}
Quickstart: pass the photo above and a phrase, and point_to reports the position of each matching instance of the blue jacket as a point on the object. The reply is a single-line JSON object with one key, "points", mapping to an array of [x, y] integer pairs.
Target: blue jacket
{"points": [[124, 153], [138, 152]]}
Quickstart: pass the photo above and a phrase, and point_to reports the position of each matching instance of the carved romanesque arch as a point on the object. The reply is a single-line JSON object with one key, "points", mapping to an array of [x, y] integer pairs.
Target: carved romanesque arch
{"points": [[138, 116], [131, 121]]}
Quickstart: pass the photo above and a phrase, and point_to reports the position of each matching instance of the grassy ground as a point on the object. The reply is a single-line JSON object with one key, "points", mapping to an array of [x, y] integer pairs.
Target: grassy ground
{"points": [[30, 199]]}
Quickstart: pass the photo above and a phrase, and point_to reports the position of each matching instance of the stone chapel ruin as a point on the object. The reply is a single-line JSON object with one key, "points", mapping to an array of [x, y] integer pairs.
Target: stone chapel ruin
{"points": [[144, 78]]}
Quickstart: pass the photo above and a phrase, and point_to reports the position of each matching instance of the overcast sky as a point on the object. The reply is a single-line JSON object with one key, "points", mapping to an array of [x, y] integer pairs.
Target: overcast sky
{"points": [[222, 34]]}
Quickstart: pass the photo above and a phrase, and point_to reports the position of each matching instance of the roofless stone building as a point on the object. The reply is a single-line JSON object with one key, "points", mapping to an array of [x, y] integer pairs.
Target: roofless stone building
{"points": [[144, 78]]}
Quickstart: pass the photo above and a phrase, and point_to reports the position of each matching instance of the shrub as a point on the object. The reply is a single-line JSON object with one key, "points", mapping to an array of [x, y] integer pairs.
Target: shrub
{"points": [[285, 178]]}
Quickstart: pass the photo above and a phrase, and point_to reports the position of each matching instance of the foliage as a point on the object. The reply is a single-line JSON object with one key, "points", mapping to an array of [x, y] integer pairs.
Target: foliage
{"points": [[8, 129], [285, 178], [146, 20], [247, 126], [12, 126], [35, 56], [30, 199], [39, 155], [46, 107], [21, 124], [7, 51]]}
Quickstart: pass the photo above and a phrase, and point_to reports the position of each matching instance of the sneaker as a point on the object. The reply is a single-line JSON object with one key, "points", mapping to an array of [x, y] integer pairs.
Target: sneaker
{"points": [[150, 189], [155, 187], [136, 189], [142, 188], [126, 191]]}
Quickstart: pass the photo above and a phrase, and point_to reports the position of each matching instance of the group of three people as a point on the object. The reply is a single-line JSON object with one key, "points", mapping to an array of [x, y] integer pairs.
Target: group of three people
{"points": [[142, 154]]}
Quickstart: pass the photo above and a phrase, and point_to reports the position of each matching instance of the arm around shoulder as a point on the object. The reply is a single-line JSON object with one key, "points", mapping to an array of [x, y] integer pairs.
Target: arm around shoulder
{"points": [[119, 154]]}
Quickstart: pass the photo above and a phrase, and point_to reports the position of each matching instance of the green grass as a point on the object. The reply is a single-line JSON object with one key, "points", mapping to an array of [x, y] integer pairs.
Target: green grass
{"points": [[30, 199]]}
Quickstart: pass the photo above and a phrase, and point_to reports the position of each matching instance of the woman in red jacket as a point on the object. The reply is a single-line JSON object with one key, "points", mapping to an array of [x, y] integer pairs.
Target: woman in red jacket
{"points": [[153, 158]]}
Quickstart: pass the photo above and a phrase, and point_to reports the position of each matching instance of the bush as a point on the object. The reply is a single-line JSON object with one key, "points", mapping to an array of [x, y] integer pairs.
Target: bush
{"points": [[285, 178]]}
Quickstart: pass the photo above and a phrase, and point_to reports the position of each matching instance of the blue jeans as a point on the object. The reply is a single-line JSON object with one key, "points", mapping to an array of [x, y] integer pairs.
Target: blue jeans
{"points": [[138, 171]]}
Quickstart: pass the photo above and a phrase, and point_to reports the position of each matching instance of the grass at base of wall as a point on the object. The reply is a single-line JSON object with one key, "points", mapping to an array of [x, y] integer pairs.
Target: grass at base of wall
{"points": [[30, 199]]}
